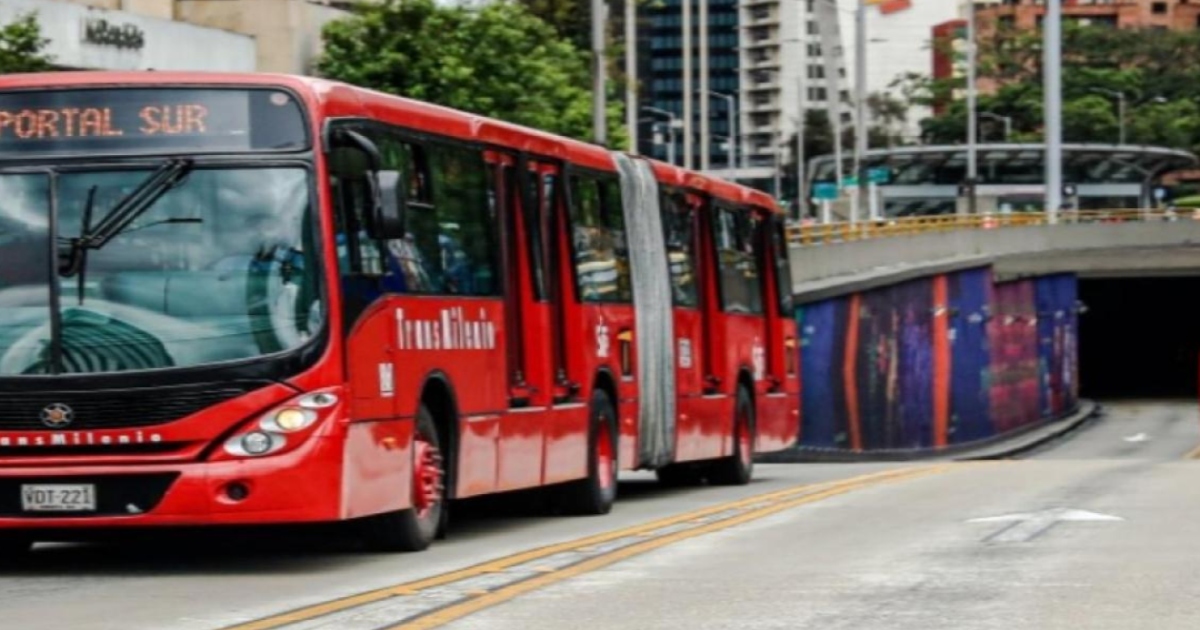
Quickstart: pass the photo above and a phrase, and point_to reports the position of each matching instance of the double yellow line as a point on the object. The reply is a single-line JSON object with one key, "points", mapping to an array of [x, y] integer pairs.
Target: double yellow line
{"points": [[772, 503]]}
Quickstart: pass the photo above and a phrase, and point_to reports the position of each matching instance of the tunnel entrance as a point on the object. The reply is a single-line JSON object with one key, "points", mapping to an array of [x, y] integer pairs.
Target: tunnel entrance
{"points": [[1140, 338]]}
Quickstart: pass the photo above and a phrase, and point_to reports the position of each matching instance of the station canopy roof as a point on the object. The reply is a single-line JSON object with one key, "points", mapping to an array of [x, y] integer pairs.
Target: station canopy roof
{"points": [[1013, 164]]}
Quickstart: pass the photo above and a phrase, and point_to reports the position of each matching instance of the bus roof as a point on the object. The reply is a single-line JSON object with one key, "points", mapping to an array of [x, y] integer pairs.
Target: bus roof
{"points": [[334, 98]]}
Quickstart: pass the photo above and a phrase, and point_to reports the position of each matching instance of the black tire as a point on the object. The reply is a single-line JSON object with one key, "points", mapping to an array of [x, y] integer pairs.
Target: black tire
{"points": [[680, 475], [595, 494], [413, 529], [738, 469]]}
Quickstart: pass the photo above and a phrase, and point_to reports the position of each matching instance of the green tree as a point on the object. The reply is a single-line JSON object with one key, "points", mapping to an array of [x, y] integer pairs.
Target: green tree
{"points": [[496, 60], [1161, 90], [22, 46]]}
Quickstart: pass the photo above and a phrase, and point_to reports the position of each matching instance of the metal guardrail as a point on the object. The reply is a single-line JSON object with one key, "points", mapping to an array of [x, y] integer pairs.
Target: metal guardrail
{"points": [[844, 232]]}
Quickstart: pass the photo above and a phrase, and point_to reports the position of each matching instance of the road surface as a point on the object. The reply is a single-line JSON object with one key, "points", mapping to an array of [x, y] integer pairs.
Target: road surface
{"points": [[1094, 531]]}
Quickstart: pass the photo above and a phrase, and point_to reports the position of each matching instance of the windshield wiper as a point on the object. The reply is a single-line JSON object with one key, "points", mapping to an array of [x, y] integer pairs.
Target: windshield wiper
{"points": [[128, 209]]}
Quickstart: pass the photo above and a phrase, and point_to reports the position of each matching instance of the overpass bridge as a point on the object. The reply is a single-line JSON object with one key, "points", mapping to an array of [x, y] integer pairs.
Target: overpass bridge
{"points": [[927, 333]]}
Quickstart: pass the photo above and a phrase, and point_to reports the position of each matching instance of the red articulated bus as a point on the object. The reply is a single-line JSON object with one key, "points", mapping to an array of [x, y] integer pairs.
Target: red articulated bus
{"points": [[258, 299]]}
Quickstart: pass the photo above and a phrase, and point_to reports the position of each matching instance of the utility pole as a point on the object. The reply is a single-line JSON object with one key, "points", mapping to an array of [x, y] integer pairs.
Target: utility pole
{"points": [[802, 117], [705, 140], [687, 83], [631, 86], [860, 89], [972, 115], [731, 110], [599, 106], [1052, 62]]}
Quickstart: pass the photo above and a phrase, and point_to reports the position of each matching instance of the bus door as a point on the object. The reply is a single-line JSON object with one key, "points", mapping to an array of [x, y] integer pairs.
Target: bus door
{"points": [[516, 192], [779, 389], [566, 455], [681, 232], [712, 410]]}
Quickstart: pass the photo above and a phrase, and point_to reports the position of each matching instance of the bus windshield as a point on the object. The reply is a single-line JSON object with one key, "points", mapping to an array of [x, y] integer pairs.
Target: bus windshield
{"points": [[222, 267]]}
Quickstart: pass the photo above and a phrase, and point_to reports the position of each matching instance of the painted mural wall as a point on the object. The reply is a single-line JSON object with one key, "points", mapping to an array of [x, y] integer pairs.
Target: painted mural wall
{"points": [[936, 362]]}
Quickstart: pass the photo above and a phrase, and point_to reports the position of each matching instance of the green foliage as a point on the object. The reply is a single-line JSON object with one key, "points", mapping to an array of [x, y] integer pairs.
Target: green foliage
{"points": [[22, 46], [1162, 90], [496, 60]]}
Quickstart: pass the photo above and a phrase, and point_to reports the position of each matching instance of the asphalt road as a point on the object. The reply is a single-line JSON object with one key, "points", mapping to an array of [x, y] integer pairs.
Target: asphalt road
{"points": [[1094, 531]]}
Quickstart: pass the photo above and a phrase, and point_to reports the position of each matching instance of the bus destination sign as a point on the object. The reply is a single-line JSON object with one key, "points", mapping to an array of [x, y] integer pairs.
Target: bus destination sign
{"points": [[99, 121]]}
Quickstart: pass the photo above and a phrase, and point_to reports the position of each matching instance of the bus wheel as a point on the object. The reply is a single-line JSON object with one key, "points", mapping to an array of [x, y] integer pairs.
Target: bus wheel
{"points": [[596, 493], [415, 528], [679, 475], [737, 469]]}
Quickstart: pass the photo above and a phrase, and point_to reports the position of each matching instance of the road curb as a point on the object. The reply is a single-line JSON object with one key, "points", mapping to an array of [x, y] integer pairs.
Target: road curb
{"points": [[1010, 444]]}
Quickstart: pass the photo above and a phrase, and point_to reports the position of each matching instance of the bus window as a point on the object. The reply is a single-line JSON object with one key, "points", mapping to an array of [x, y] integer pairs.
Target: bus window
{"points": [[735, 237], [678, 231], [598, 235], [783, 270], [463, 223]]}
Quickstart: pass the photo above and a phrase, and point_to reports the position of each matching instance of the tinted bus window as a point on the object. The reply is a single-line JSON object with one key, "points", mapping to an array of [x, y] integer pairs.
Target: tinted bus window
{"points": [[678, 230], [598, 237], [450, 246], [783, 270], [466, 224], [735, 237]]}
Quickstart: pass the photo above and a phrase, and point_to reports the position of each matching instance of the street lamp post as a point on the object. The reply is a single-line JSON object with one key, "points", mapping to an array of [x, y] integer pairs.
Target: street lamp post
{"points": [[731, 109], [672, 124], [1052, 91], [972, 114], [1007, 120], [1120, 96], [860, 94]]}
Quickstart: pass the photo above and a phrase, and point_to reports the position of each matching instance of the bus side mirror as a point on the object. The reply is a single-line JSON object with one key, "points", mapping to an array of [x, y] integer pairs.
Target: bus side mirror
{"points": [[388, 215]]}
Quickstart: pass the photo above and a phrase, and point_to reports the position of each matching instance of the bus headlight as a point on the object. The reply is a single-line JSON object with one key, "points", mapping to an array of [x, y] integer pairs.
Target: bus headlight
{"points": [[281, 428], [256, 443]]}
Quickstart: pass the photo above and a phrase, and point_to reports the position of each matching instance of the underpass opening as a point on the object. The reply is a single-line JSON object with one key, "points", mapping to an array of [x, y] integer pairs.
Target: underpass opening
{"points": [[1139, 338]]}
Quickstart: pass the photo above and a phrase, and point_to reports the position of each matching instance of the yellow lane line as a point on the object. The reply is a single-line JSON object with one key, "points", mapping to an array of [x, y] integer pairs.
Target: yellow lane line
{"points": [[450, 613], [493, 566]]}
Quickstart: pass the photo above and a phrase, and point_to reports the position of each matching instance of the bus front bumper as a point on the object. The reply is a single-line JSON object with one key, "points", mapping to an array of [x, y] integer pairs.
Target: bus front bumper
{"points": [[300, 486]]}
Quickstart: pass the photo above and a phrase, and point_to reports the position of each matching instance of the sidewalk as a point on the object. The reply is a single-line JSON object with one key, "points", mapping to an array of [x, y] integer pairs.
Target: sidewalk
{"points": [[999, 447]]}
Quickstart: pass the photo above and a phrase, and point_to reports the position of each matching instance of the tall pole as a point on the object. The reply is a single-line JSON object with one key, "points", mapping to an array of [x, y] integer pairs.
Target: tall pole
{"points": [[778, 171], [1052, 62], [599, 128], [801, 199], [705, 141], [860, 95], [1121, 116], [631, 86], [687, 83], [671, 141], [802, 111], [972, 113], [733, 140], [732, 136]]}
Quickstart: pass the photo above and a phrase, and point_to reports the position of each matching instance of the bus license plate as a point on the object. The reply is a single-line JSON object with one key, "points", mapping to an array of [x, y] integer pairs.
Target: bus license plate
{"points": [[58, 498]]}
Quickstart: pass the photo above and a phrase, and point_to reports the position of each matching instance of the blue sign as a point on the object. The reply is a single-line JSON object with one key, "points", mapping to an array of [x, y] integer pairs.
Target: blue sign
{"points": [[825, 191], [878, 175]]}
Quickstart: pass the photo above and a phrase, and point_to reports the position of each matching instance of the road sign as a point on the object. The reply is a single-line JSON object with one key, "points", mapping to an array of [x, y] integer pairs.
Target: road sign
{"points": [[879, 175], [850, 181], [825, 191]]}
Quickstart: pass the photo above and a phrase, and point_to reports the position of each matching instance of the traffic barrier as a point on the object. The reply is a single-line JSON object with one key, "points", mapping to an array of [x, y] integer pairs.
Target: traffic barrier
{"points": [[828, 233]]}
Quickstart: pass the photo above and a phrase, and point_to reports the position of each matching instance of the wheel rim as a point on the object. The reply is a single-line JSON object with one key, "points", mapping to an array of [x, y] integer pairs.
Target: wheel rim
{"points": [[604, 456], [427, 476]]}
